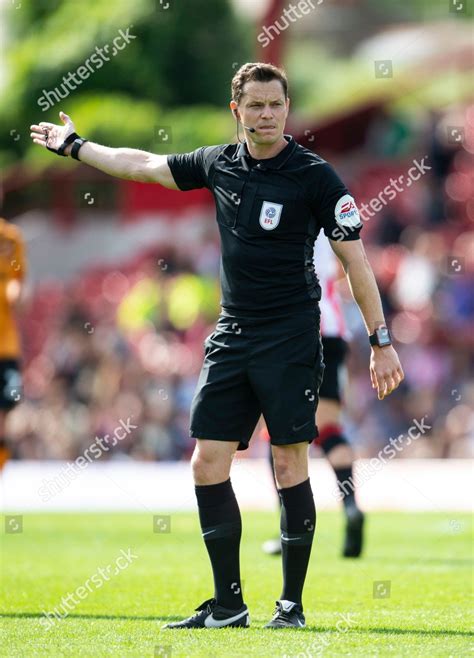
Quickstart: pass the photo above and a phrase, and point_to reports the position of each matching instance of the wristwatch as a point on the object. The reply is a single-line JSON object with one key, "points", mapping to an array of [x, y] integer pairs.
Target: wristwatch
{"points": [[381, 337]]}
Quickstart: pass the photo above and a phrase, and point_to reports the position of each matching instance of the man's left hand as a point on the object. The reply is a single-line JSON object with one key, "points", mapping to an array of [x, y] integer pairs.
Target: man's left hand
{"points": [[386, 372]]}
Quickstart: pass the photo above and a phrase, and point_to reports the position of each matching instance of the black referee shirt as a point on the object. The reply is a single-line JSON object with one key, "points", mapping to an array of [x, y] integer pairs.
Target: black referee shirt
{"points": [[269, 214]]}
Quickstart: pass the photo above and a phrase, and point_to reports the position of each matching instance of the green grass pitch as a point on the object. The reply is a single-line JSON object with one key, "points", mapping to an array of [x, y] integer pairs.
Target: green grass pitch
{"points": [[418, 606]]}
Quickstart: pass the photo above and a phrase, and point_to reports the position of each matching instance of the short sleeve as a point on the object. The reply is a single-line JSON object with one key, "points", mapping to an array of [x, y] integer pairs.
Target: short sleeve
{"points": [[334, 207], [192, 170]]}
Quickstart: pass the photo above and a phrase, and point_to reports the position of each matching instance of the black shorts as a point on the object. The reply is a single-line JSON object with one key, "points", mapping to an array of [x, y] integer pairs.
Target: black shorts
{"points": [[335, 350], [10, 384], [271, 366]]}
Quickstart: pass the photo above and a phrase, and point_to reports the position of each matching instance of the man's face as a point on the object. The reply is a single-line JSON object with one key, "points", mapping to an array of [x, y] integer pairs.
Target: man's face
{"points": [[263, 106]]}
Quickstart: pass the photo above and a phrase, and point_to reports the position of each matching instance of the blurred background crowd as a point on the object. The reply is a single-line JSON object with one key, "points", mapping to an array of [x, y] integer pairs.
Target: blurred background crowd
{"points": [[122, 291]]}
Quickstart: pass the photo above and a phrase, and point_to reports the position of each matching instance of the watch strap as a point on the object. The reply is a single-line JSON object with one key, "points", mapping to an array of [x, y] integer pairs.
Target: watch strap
{"points": [[373, 340]]}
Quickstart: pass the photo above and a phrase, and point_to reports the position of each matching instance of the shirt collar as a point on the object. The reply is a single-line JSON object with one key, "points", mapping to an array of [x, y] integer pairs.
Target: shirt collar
{"points": [[271, 163]]}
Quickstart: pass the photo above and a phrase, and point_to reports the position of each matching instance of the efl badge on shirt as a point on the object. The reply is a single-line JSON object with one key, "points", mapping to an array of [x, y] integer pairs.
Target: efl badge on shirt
{"points": [[270, 215]]}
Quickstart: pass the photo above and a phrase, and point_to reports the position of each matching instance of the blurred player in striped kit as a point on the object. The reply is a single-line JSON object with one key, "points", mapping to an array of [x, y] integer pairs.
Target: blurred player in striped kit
{"points": [[331, 439]]}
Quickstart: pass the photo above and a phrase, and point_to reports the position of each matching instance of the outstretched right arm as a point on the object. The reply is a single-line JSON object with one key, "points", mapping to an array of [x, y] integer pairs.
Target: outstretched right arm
{"points": [[131, 164]]}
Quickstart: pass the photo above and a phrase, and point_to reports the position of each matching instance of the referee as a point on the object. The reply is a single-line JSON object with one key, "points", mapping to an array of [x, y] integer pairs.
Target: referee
{"points": [[272, 199]]}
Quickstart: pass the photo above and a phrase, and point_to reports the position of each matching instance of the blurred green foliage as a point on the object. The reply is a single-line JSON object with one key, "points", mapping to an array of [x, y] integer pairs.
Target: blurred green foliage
{"points": [[352, 83], [420, 9], [173, 79], [183, 56]]}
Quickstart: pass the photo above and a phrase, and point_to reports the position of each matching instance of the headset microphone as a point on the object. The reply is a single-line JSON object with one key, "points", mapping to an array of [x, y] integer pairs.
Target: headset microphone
{"points": [[251, 130]]}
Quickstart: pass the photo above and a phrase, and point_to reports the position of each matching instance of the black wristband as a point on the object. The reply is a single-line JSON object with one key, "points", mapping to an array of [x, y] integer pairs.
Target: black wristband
{"points": [[78, 142], [60, 151]]}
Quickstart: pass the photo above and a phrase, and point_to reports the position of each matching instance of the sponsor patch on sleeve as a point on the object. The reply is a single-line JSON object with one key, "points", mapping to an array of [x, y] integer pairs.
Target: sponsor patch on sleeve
{"points": [[346, 212]]}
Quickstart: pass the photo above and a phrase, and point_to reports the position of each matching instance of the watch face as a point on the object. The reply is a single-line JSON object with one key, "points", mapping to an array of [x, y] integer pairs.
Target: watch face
{"points": [[383, 336]]}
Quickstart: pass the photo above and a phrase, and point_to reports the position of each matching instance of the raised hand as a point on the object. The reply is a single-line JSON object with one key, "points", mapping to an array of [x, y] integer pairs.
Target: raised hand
{"points": [[49, 135]]}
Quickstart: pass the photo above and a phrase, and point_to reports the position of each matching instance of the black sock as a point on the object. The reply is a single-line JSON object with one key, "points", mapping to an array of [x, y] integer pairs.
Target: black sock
{"points": [[298, 523], [221, 529], [334, 437], [345, 482]]}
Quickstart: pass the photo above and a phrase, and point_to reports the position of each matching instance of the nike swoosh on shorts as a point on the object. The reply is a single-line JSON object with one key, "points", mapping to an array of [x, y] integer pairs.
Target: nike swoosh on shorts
{"points": [[300, 427]]}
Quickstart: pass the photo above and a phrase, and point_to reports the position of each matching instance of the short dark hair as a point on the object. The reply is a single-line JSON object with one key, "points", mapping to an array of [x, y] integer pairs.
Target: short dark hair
{"points": [[260, 72]]}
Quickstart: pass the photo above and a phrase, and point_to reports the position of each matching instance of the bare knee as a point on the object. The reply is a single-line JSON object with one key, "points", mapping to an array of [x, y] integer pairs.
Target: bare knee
{"points": [[290, 464], [202, 466], [211, 461]]}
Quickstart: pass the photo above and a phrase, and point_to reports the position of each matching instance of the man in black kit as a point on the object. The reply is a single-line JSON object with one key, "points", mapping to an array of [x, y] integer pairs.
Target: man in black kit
{"points": [[272, 198]]}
